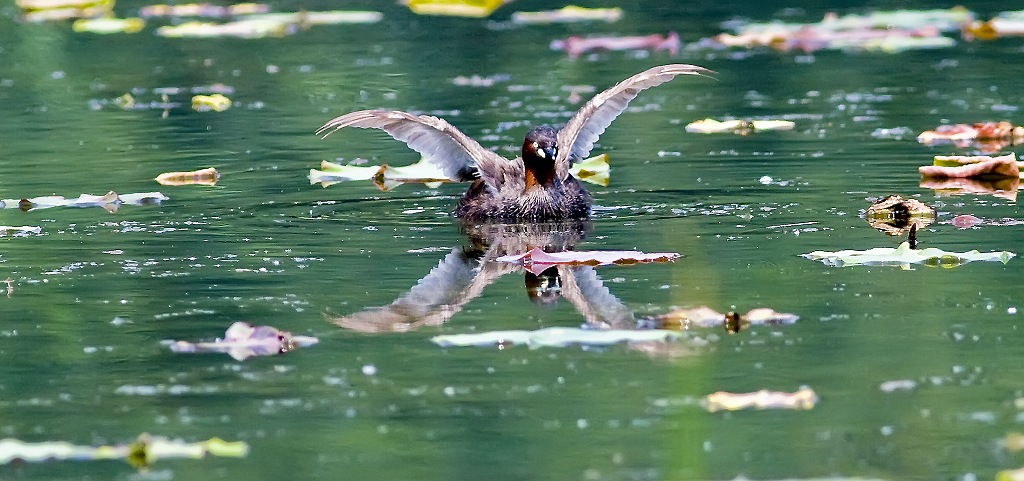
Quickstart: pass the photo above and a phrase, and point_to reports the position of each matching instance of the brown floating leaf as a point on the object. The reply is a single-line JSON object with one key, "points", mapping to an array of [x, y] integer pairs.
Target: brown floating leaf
{"points": [[703, 316], [994, 167], [895, 215], [804, 398], [536, 260], [207, 176], [988, 136]]}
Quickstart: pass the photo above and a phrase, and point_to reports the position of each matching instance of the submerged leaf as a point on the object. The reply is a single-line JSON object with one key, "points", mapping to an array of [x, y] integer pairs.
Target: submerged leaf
{"points": [[904, 255], [242, 341], [536, 260], [804, 398], [554, 337], [207, 103], [109, 25], [742, 127]]}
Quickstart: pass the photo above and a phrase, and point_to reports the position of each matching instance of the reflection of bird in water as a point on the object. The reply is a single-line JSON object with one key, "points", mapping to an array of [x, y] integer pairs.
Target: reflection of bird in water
{"points": [[463, 274], [536, 186]]}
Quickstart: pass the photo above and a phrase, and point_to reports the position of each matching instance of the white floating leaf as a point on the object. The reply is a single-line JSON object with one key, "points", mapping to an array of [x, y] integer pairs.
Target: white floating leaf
{"points": [[555, 337], [904, 255]]}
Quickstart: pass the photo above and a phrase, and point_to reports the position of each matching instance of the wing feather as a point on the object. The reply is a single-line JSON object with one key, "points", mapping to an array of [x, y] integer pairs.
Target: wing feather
{"points": [[577, 138], [440, 143]]}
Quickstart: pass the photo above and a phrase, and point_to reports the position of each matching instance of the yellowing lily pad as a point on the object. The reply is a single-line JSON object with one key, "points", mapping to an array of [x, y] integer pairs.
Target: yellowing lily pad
{"points": [[109, 25], [455, 8], [904, 256]]}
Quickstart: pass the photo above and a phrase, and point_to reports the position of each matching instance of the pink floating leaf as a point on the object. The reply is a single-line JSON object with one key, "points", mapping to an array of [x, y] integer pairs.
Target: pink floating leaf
{"points": [[537, 260], [996, 167]]}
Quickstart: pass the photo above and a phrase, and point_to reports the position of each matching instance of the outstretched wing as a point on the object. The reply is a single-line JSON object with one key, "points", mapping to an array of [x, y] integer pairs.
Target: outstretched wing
{"points": [[440, 143], [577, 138]]}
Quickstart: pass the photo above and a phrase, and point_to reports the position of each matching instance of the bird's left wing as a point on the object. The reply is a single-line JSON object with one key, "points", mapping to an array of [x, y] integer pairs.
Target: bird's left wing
{"points": [[577, 138], [440, 143]]}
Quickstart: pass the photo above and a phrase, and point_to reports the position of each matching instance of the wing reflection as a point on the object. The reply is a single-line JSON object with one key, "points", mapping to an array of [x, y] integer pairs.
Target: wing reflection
{"points": [[462, 275]]}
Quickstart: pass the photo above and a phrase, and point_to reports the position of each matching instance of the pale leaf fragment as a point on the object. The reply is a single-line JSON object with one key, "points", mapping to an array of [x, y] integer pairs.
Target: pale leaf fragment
{"points": [[737, 126], [242, 340], [804, 398], [554, 337]]}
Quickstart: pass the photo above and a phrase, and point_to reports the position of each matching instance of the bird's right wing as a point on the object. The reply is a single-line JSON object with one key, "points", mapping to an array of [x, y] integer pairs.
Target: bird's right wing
{"points": [[440, 143]]}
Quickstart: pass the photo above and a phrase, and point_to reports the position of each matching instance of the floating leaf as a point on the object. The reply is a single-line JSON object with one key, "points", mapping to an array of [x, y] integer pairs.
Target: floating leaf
{"points": [[111, 201], [207, 103], [895, 215], [140, 453], [536, 260], [21, 231], [47, 10], [742, 127], [554, 337], [593, 170], [330, 17], [207, 176], [109, 25], [964, 166], [575, 46], [567, 14], [455, 8], [703, 316], [202, 10], [890, 32], [990, 136], [804, 398], [242, 341], [904, 256]]}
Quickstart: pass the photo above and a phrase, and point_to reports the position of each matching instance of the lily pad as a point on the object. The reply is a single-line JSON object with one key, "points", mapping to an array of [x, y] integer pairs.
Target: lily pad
{"points": [[977, 166], [904, 256], [554, 337]]}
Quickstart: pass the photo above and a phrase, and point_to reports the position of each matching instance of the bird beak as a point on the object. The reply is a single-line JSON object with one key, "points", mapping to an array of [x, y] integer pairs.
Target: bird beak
{"points": [[548, 153]]}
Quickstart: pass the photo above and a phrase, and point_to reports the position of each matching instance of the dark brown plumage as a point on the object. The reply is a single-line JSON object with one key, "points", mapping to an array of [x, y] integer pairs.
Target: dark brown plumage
{"points": [[537, 185]]}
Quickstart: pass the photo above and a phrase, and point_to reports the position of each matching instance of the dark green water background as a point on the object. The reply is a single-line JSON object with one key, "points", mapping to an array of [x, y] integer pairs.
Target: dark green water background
{"points": [[93, 296]]}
